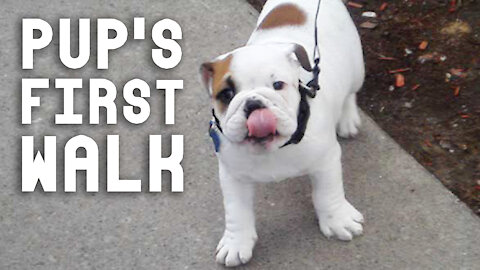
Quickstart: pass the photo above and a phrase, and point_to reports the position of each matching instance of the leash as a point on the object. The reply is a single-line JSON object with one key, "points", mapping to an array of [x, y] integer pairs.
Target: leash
{"points": [[312, 86], [310, 90]]}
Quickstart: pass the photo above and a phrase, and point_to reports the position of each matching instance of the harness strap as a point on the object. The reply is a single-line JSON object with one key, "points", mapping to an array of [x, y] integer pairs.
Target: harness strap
{"points": [[216, 121], [302, 116]]}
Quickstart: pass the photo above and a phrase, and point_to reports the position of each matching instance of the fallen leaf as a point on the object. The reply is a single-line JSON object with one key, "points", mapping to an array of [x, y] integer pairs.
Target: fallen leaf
{"points": [[423, 45], [398, 70], [415, 87], [456, 91], [459, 72], [354, 4], [383, 6], [399, 80], [457, 27], [436, 57], [387, 58]]}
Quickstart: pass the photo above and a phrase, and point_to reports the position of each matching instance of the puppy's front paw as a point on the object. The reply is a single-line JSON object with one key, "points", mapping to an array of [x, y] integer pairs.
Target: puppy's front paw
{"points": [[235, 248], [350, 121], [348, 125], [344, 222]]}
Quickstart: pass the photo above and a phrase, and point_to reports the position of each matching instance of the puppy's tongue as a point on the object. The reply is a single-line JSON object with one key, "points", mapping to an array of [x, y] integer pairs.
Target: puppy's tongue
{"points": [[261, 123]]}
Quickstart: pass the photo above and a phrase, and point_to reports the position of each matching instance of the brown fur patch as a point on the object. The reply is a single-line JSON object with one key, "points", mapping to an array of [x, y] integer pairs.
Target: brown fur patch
{"points": [[283, 15], [219, 69]]}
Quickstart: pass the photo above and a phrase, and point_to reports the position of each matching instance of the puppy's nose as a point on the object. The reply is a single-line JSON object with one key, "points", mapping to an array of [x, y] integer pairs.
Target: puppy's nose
{"points": [[252, 105]]}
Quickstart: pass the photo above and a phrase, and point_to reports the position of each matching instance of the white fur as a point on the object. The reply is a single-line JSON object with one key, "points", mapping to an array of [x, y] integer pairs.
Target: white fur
{"points": [[318, 155]]}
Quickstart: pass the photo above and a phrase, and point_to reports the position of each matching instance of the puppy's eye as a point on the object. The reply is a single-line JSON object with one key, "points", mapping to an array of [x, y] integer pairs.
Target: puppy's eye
{"points": [[278, 85], [226, 95]]}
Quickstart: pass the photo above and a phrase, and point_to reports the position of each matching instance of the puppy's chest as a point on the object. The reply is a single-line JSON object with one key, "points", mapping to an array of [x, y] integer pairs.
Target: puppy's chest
{"points": [[276, 166], [267, 172]]}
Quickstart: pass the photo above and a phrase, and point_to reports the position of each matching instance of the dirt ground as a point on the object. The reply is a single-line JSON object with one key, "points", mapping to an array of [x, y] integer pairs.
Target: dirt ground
{"points": [[423, 83]]}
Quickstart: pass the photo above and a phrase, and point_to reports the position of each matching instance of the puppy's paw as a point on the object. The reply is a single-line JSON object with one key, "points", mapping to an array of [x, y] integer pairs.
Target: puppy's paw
{"points": [[348, 125], [235, 248], [350, 121], [344, 223]]}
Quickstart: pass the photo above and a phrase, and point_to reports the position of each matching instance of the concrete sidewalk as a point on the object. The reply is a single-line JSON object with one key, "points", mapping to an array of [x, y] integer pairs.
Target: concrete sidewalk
{"points": [[412, 221]]}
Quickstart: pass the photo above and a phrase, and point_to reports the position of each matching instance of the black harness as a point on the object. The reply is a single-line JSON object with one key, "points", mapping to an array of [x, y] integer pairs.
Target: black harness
{"points": [[303, 114], [304, 108]]}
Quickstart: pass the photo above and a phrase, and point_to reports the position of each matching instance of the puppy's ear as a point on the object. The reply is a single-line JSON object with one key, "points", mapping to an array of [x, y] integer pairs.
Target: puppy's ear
{"points": [[213, 73], [206, 75], [302, 56]]}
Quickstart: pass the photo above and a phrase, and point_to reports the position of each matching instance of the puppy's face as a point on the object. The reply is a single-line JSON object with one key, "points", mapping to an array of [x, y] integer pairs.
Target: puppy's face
{"points": [[255, 95]]}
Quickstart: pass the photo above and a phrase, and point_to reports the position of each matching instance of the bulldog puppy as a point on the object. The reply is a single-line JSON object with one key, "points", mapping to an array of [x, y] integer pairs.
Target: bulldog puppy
{"points": [[258, 107]]}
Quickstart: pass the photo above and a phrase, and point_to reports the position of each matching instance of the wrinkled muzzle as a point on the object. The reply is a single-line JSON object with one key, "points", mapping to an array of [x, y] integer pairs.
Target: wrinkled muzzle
{"points": [[259, 114]]}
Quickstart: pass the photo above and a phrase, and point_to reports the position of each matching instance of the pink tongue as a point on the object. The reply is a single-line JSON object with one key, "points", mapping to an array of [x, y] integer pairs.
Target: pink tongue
{"points": [[261, 123]]}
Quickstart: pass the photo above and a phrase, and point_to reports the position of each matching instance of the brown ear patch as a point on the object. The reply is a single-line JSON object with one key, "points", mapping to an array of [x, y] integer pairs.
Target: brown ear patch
{"points": [[219, 69], [283, 15]]}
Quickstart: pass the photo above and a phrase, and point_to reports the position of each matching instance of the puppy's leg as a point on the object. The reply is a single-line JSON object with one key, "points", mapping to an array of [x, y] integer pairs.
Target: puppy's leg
{"points": [[349, 121], [337, 217], [240, 235]]}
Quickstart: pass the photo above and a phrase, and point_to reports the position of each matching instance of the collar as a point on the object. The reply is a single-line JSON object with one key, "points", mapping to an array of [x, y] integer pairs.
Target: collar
{"points": [[303, 114]]}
